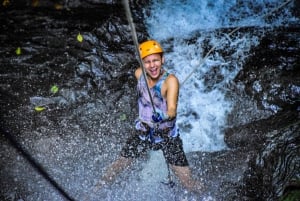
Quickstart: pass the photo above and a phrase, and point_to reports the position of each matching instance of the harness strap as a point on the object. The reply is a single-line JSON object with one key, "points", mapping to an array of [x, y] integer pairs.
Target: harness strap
{"points": [[154, 134]]}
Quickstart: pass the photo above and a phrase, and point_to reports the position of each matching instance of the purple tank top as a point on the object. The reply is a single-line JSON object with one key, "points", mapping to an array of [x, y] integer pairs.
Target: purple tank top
{"points": [[146, 109]]}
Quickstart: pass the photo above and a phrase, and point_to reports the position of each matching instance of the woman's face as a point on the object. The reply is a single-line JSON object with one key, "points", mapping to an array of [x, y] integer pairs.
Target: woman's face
{"points": [[153, 64]]}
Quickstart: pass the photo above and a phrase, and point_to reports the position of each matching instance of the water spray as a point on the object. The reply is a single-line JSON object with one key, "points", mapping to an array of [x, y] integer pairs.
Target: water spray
{"points": [[233, 31], [35, 164]]}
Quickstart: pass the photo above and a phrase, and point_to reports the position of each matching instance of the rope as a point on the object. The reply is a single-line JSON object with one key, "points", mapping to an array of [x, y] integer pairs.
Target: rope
{"points": [[171, 183], [233, 31], [136, 44], [35, 164]]}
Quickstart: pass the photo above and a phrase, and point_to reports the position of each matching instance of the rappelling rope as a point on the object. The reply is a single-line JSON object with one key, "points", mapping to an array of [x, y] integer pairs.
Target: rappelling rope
{"points": [[136, 44], [233, 31]]}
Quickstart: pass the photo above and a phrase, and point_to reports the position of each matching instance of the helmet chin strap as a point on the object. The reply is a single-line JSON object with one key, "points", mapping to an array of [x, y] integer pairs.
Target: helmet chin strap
{"points": [[134, 37]]}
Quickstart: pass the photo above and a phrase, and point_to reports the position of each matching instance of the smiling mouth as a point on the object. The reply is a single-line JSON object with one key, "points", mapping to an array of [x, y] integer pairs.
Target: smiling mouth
{"points": [[154, 71]]}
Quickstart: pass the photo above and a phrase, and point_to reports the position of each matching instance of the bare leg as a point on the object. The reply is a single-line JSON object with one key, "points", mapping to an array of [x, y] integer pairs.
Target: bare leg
{"points": [[185, 177], [115, 168], [110, 174]]}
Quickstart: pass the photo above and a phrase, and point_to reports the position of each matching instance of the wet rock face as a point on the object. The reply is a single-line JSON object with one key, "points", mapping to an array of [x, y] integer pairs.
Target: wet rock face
{"points": [[255, 134], [89, 55], [277, 164], [270, 78], [50, 53], [272, 72]]}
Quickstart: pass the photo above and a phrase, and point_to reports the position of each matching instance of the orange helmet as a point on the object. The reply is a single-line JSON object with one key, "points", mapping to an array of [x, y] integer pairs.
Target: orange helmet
{"points": [[150, 47]]}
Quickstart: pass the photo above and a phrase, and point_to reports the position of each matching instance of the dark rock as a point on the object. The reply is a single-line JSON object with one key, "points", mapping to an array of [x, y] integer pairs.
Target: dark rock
{"points": [[254, 135], [276, 164], [271, 74]]}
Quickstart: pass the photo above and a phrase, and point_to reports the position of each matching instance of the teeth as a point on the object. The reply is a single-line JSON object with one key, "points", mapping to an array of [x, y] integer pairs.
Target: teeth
{"points": [[153, 71]]}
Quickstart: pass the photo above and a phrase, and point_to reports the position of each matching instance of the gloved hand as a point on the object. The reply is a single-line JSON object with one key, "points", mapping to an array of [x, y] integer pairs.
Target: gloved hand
{"points": [[159, 116]]}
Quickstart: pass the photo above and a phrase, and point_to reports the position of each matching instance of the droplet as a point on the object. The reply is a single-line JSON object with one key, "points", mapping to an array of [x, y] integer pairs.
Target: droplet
{"points": [[123, 117]]}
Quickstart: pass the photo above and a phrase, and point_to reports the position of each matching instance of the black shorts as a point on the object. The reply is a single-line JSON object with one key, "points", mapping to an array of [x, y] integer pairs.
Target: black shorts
{"points": [[171, 147]]}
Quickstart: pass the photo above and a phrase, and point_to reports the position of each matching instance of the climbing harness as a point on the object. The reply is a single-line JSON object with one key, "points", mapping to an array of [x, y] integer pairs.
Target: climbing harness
{"points": [[233, 31], [151, 136]]}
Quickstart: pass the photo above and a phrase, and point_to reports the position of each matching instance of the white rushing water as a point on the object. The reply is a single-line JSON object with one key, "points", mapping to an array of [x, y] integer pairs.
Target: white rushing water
{"points": [[203, 108]]}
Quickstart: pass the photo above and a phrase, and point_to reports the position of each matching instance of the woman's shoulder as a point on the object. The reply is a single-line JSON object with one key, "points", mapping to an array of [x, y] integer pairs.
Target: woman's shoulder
{"points": [[172, 79], [138, 72]]}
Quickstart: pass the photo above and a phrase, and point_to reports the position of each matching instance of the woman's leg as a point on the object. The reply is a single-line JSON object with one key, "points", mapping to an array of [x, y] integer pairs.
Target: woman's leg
{"points": [[115, 168], [110, 174], [184, 175]]}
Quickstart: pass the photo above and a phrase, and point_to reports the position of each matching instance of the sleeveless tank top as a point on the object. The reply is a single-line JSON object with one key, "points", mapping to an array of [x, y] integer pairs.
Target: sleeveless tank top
{"points": [[146, 109]]}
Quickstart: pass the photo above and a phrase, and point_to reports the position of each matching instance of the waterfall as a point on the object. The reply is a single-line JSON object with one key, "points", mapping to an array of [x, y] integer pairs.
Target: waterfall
{"points": [[188, 30]]}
